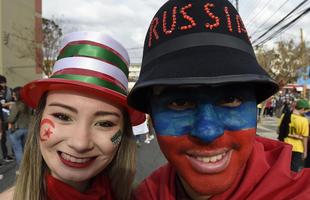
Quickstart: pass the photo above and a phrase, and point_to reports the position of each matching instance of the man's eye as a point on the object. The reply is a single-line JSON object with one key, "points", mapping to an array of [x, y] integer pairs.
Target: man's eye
{"points": [[230, 101], [62, 117], [181, 104], [105, 124]]}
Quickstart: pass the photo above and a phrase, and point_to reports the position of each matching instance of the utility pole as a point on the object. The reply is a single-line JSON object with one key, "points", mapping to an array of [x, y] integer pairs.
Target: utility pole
{"points": [[237, 5]]}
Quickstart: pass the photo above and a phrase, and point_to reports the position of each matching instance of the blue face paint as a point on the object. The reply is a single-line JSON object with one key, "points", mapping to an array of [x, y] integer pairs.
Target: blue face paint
{"points": [[203, 112]]}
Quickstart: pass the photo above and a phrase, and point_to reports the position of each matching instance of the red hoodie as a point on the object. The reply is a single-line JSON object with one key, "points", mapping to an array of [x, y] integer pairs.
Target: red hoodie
{"points": [[267, 175]]}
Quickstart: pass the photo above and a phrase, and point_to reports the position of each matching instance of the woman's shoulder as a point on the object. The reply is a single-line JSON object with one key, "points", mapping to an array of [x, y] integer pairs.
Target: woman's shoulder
{"points": [[8, 194]]}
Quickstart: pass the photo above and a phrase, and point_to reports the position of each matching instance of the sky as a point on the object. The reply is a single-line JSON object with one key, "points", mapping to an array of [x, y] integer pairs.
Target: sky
{"points": [[128, 20]]}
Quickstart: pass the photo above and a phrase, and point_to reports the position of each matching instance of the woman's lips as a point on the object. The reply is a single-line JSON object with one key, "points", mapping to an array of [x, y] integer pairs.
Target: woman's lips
{"points": [[211, 162], [75, 162]]}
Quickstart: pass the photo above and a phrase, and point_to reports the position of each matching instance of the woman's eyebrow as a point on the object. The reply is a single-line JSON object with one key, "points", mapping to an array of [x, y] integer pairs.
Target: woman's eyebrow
{"points": [[104, 113], [64, 106]]}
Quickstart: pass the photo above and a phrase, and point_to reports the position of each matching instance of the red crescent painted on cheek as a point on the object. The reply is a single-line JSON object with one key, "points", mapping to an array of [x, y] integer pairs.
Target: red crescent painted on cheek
{"points": [[48, 130]]}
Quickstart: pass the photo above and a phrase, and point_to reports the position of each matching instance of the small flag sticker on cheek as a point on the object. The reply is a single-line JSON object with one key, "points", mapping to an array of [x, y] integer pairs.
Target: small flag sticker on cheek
{"points": [[117, 137]]}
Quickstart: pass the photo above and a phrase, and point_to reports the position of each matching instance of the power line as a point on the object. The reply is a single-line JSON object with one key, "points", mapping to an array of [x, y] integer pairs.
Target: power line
{"points": [[254, 6], [256, 30], [261, 10], [288, 25], [280, 21]]}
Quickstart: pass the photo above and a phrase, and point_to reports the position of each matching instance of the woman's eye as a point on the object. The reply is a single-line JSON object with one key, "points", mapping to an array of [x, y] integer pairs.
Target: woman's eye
{"points": [[105, 124], [230, 101], [62, 117], [181, 104]]}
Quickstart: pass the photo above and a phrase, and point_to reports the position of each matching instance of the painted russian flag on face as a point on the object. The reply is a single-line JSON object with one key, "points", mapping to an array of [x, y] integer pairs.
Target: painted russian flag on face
{"points": [[214, 164]]}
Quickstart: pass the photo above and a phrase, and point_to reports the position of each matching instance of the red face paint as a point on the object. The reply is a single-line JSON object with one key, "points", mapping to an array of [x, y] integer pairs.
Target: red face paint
{"points": [[46, 128], [209, 168]]}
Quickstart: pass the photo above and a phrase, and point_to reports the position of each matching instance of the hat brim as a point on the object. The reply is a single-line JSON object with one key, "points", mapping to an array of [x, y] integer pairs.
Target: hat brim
{"points": [[32, 92], [223, 65]]}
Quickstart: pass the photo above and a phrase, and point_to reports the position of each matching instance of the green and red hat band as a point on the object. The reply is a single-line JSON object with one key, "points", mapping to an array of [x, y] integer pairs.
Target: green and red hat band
{"points": [[91, 77], [96, 51], [90, 64]]}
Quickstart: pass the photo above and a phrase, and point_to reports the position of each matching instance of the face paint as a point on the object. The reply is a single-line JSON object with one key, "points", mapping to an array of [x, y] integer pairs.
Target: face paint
{"points": [[117, 137], [46, 131], [203, 114], [209, 135]]}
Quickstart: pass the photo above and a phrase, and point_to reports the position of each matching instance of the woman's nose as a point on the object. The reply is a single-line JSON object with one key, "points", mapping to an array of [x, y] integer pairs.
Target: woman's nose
{"points": [[81, 139], [207, 126]]}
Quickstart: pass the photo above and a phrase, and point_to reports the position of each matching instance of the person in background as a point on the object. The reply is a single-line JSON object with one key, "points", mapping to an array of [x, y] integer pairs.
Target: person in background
{"points": [[294, 130], [149, 135], [307, 161], [201, 83], [140, 131], [6, 92], [6, 100], [18, 120], [80, 144]]}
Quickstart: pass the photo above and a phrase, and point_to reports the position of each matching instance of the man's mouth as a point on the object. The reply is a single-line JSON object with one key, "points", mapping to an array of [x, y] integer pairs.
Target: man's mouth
{"points": [[211, 159], [75, 162], [209, 162]]}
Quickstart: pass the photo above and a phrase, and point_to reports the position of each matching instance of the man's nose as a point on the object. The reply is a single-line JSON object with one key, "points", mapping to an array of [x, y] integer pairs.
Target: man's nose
{"points": [[207, 126], [81, 139]]}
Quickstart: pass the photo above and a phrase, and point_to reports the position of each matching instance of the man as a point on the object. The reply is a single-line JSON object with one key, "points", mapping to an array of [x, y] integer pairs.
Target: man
{"points": [[200, 82], [294, 130], [5, 100], [6, 92]]}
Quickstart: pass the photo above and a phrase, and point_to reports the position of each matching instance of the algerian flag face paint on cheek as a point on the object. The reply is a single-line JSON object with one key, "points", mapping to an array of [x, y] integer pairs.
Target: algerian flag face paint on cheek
{"points": [[206, 133], [47, 129]]}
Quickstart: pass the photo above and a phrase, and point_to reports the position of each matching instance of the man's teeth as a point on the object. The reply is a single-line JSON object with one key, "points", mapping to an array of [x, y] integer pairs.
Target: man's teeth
{"points": [[211, 159], [73, 159]]}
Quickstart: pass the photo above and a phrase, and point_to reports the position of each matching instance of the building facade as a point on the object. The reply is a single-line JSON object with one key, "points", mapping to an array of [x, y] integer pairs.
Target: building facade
{"points": [[21, 40]]}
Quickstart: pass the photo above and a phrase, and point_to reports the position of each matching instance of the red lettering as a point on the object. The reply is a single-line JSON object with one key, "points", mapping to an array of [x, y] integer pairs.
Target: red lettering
{"points": [[153, 31], [187, 17], [228, 19], [240, 25], [207, 7], [174, 21]]}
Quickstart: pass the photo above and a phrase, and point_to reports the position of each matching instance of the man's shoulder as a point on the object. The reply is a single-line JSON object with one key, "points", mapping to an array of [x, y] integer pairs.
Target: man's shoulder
{"points": [[161, 174], [159, 184], [299, 118], [270, 144]]}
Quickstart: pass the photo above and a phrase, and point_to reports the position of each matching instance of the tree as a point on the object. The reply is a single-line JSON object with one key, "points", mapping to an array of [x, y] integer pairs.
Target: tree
{"points": [[285, 62], [51, 42]]}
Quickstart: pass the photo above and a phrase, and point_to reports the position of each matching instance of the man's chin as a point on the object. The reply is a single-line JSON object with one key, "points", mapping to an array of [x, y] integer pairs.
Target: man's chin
{"points": [[208, 187]]}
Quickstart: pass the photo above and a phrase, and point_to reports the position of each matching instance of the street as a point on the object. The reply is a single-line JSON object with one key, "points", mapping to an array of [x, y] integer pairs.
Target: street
{"points": [[149, 156]]}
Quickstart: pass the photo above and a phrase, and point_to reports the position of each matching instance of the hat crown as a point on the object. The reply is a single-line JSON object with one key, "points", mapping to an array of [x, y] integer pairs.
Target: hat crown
{"points": [[193, 19], [94, 58]]}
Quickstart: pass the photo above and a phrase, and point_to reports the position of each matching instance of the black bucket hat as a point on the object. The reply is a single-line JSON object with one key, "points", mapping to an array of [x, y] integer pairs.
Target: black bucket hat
{"points": [[198, 42]]}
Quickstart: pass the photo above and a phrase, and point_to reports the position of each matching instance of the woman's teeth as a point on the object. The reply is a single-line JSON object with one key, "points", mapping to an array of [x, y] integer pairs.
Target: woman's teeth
{"points": [[74, 159]]}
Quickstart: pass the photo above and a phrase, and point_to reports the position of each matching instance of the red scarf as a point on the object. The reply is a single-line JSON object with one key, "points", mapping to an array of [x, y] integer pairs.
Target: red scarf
{"points": [[99, 189]]}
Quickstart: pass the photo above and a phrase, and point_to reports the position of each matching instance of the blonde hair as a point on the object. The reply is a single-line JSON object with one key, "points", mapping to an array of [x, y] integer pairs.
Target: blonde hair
{"points": [[30, 184]]}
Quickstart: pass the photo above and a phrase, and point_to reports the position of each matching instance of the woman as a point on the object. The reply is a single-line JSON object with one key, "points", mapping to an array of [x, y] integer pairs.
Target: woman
{"points": [[80, 145]]}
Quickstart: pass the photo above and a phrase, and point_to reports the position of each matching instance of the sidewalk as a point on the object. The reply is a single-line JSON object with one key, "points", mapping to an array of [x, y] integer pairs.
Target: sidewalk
{"points": [[8, 172], [267, 127]]}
